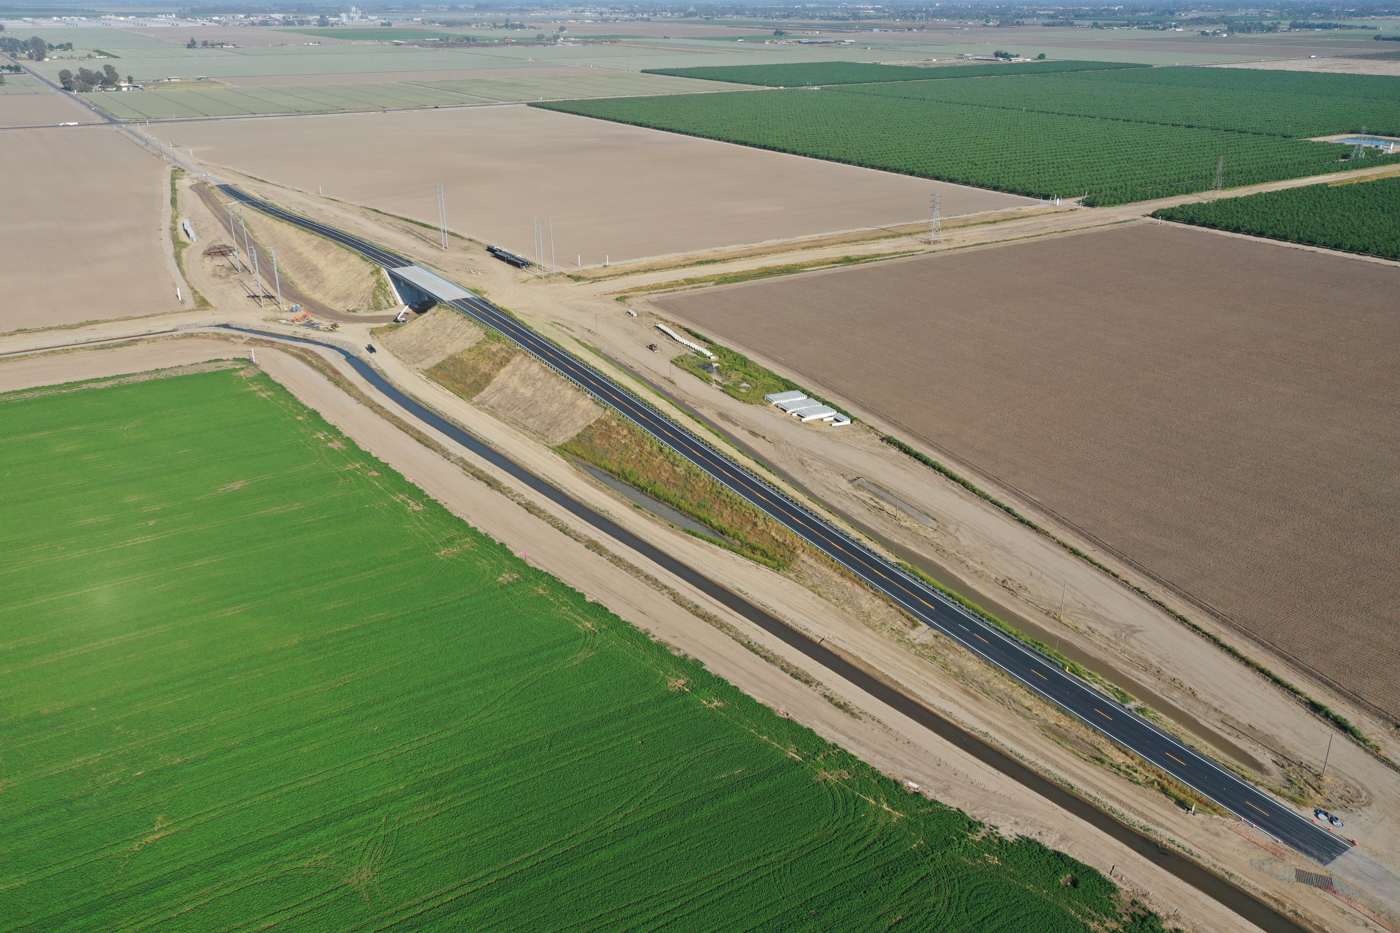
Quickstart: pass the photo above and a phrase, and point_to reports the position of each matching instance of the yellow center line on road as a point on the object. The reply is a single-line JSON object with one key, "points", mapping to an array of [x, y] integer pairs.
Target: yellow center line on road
{"points": [[1041, 676], [1102, 713], [1175, 759], [983, 639], [1265, 812]]}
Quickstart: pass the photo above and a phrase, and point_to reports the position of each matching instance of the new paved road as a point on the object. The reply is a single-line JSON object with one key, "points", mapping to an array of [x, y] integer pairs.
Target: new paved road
{"points": [[1031, 668]]}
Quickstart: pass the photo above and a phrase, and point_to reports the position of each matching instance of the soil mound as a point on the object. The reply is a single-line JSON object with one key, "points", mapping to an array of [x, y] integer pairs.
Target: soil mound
{"points": [[433, 337], [537, 398]]}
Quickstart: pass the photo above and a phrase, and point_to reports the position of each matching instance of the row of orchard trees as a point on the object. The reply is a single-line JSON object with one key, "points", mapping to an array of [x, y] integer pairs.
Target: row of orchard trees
{"points": [[1023, 152], [1362, 217]]}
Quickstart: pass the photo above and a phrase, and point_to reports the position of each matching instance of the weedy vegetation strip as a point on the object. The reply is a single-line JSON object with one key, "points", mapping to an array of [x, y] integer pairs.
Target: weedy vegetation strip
{"points": [[255, 678]]}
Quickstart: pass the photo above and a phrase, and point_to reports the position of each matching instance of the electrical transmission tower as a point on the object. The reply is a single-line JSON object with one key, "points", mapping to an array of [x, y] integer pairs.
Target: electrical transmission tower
{"points": [[1359, 150], [442, 214], [1219, 181], [935, 221]]}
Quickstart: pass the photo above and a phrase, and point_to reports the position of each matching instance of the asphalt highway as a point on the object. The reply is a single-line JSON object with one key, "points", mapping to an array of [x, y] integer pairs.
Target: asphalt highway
{"points": [[1036, 671]]}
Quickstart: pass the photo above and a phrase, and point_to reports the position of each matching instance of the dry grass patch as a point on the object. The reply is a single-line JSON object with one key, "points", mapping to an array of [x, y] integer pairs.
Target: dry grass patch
{"points": [[528, 393], [432, 338], [469, 372]]}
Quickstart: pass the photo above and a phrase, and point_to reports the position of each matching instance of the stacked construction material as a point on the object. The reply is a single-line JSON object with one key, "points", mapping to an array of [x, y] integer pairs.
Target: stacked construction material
{"points": [[807, 409]]}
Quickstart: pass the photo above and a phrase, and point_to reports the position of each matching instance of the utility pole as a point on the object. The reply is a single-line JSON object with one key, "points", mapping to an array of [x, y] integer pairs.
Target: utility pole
{"points": [[442, 213], [553, 265], [233, 232], [935, 220], [275, 277], [1330, 736], [536, 227], [243, 217], [257, 276], [1216, 185], [252, 253]]}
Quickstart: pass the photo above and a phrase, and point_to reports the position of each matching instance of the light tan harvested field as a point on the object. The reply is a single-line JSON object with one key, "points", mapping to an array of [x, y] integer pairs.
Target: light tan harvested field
{"points": [[612, 190], [42, 110], [1219, 411], [412, 77], [661, 30], [1345, 66], [84, 236], [238, 35]]}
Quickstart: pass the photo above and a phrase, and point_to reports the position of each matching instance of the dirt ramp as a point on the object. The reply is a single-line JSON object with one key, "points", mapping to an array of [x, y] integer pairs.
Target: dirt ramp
{"points": [[319, 268], [537, 398], [433, 337]]}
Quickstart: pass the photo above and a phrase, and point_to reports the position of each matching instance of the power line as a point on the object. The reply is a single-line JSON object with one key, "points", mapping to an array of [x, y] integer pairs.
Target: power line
{"points": [[442, 213], [1359, 150]]}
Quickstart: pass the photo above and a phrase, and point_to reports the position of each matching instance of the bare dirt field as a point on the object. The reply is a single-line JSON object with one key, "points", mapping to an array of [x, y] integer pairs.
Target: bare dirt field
{"points": [[613, 192], [1345, 66], [43, 109], [416, 77], [85, 236], [1222, 416], [238, 35]]}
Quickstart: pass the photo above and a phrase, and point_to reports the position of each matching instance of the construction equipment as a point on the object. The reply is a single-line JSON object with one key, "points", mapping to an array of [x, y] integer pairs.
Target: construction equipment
{"points": [[520, 262]]}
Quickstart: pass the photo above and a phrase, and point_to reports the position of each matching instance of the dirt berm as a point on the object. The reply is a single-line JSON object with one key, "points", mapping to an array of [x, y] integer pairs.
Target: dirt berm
{"points": [[494, 374], [434, 337]]}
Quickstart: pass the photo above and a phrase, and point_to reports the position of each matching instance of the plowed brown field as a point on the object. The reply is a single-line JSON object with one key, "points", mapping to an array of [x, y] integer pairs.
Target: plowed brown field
{"points": [[1218, 411]]}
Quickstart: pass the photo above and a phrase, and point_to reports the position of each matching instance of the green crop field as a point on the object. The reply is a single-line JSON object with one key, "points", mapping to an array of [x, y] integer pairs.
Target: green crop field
{"points": [[254, 679], [802, 74], [1021, 151], [1363, 217], [1211, 98]]}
